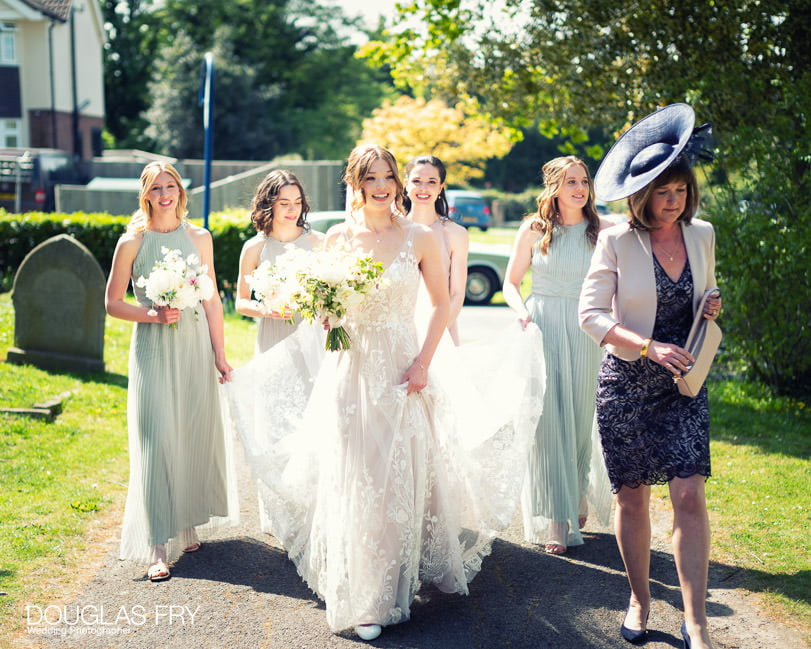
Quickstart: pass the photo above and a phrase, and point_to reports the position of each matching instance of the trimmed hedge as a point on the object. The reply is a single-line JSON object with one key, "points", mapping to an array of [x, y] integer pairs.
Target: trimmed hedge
{"points": [[20, 233]]}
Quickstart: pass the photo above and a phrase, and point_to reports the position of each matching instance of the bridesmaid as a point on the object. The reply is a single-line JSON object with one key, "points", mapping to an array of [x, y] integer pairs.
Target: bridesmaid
{"points": [[176, 440], [557, 242], [425, 203], [279, 214]]}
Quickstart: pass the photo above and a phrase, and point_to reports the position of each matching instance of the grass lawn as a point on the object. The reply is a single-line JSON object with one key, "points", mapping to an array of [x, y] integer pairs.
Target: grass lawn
{"points": [[63, 483]]}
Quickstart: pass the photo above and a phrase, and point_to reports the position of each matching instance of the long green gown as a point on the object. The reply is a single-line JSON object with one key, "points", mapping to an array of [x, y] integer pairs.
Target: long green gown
{"points": [[178, 460]]}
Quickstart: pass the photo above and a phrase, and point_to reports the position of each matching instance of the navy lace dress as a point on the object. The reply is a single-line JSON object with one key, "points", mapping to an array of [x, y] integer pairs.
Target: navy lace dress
{"points": [[650, 433]]}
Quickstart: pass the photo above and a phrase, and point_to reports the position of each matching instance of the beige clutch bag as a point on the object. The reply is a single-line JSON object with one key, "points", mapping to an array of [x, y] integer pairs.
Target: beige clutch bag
{"points": [[702, 343]]}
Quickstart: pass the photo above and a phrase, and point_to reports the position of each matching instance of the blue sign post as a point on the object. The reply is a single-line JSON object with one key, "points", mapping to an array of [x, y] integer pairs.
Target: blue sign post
{"points": [[206, 100]]}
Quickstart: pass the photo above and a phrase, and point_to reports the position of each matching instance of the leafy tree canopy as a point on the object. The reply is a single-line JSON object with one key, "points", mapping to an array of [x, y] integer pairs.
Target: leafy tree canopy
{"points": [[287, 79], [129, 59], [574, 65], [461, 139]]}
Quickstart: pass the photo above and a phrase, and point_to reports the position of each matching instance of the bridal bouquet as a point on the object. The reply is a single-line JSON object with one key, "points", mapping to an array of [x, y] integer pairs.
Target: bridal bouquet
{"points": [[335, 281], [177, 282], [321, 285]]}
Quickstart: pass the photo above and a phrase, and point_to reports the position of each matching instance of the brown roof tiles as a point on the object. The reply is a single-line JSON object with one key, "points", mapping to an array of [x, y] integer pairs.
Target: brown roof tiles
{"points": [[57, 9]]}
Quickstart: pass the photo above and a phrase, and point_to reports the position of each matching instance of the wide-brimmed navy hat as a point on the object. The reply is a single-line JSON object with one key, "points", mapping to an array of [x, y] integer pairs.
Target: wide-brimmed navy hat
{"points": [[644, 151]]}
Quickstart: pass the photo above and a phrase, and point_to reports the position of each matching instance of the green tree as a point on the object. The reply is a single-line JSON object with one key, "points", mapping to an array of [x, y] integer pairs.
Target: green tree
{"points": [[286, 79], [129, 61], [744, 65], [459, 137], [243, 124]]}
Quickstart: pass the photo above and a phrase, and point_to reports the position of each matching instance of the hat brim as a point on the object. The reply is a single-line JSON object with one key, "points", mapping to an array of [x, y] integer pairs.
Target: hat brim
{"points": [[643, 152]]}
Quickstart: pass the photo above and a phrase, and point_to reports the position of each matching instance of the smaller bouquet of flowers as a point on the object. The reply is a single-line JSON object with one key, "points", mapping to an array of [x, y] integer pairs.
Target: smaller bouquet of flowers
{"points": [[275, 286], [177, 282]]}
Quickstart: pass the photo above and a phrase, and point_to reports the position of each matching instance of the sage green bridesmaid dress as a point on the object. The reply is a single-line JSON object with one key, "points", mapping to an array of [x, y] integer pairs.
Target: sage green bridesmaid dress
{"points": [[178, 460], [566, 471]]}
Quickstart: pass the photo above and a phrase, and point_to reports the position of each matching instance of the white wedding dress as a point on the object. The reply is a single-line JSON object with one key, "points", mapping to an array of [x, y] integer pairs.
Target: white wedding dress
{"points": [[372, 491]]}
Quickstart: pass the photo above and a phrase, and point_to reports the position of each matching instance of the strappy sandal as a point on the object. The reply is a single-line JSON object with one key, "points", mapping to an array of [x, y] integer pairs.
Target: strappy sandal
{"points": [[158, 571], [554, 548]]}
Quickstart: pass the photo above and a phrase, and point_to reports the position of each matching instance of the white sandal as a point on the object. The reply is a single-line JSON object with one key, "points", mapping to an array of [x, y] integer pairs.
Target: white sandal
{"points": [[158, 571]]}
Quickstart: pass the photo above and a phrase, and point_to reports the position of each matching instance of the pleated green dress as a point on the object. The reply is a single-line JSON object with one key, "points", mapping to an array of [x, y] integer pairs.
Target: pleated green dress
{"points": [[565, 465], [178, 462]]}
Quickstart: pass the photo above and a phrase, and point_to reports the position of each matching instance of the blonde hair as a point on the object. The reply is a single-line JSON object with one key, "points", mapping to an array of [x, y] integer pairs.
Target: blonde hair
{"points": [[357, 166], [546, 216], [143, 215]]}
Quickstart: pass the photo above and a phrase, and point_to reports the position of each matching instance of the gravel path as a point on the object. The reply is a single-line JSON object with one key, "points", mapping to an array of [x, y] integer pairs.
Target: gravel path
{"points": [[240, 591]]}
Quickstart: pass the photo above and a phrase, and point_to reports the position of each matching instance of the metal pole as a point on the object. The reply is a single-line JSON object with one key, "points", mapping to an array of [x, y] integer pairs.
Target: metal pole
{"points": [[54, 137], [206, 98], [77, 141]]}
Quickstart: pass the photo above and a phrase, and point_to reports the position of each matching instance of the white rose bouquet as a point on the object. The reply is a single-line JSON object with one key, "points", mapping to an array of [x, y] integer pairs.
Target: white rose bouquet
{"points": [[275, 286], [321, 285], [177, 282], [336, 281]]}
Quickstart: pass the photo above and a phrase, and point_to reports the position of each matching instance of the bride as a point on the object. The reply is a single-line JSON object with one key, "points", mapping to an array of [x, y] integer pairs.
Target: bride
{"points": [[372, 490]]}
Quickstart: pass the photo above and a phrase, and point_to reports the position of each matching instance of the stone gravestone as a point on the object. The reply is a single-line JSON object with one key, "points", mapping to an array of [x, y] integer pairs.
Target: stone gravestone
{"points": [[58, 298]]}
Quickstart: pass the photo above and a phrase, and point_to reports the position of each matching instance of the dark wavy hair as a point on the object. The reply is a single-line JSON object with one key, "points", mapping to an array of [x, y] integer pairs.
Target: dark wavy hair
{"points": [[441, 203], [679, 171], [266, 196]]}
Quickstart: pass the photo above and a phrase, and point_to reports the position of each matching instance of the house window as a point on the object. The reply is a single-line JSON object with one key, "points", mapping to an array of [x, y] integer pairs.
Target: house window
{"points": [[8, 44], [10, 132]]}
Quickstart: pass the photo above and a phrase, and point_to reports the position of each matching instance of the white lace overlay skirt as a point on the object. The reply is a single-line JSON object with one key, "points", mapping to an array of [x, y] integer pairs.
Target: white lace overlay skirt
{"points": [[373, 491]]}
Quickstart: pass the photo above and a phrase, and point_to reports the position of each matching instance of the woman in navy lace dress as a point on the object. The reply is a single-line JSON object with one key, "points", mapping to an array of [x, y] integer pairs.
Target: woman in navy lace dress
{"points": [[645, 280]]}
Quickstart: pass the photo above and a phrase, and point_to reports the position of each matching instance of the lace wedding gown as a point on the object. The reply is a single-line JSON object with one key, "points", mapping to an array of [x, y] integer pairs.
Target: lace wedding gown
{"points": [[370, 490]]}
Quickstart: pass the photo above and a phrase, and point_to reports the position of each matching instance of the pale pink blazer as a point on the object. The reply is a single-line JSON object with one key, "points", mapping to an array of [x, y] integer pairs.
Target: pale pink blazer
{"points": [[620, 287]]}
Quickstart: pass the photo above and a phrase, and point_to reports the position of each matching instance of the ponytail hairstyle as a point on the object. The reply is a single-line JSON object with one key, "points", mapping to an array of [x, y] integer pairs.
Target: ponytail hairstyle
{"points": [[441, 203]]}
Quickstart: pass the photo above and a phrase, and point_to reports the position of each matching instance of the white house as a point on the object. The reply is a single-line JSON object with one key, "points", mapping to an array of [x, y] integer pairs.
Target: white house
{"points": [[51, 74]]}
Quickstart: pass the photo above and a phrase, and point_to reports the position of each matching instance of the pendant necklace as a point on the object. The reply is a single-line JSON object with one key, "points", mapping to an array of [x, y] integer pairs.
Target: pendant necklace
{"points": [[670, 255]]}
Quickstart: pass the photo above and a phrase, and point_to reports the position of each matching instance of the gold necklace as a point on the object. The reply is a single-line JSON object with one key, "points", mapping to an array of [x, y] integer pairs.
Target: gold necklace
{"points": [[670, 254], [378, 235]]}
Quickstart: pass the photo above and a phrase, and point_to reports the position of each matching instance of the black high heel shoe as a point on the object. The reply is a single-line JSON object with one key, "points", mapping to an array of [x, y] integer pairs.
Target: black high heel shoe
{"points": [[685, 636], [634, 636]]}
